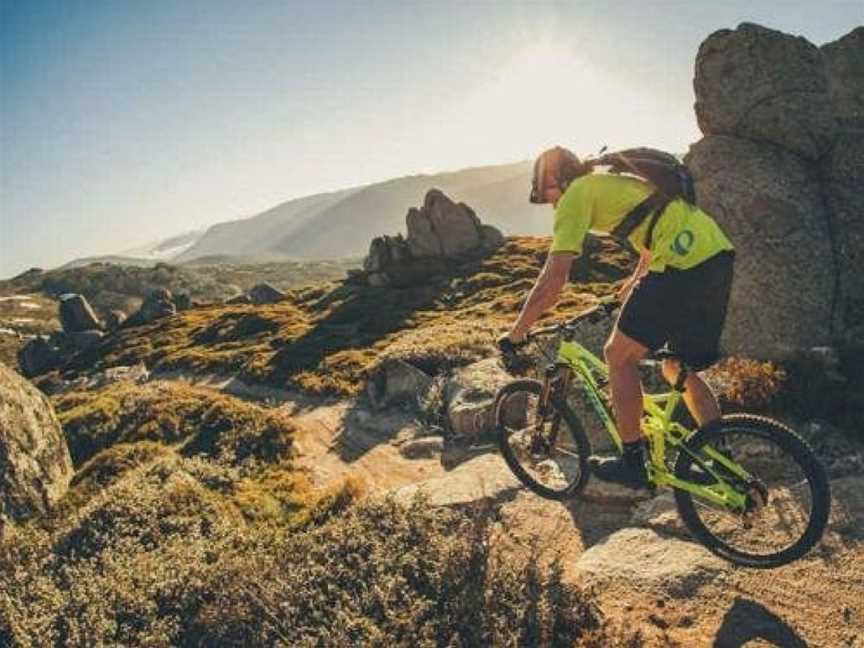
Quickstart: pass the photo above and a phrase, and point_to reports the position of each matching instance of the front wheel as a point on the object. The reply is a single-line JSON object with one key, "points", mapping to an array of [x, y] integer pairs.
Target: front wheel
{"points": [[546, 450], [786, 495]]}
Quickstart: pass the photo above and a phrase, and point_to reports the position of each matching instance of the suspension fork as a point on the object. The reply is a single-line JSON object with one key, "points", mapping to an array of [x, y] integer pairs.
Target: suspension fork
{"points": [[556, 380]]}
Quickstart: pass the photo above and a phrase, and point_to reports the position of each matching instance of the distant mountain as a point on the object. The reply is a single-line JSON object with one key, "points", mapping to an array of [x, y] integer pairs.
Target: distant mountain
{"points": [[343, 223], [113, 259]]}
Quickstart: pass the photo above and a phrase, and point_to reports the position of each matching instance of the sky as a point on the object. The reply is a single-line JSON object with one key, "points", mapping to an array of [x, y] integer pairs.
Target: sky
{"points": [[126, 121]]}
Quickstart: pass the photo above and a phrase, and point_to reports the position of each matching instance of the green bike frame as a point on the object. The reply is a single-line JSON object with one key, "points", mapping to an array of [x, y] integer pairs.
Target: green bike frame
{"points": [[659, 429]]}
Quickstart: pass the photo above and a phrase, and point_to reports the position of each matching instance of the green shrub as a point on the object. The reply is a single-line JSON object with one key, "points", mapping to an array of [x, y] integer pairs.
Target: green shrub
{"points": [[379, 573]]}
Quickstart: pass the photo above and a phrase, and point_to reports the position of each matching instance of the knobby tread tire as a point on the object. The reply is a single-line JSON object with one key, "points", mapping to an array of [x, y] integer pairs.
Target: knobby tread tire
{"points": [[790, 442], [572, 421]]}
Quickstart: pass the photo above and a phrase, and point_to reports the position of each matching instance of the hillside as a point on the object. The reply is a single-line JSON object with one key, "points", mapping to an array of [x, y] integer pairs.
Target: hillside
{"points": [[327, 338], [341, 223]]}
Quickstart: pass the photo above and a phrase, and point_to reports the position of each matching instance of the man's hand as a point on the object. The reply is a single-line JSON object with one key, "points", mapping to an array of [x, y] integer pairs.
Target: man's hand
{"points": [[507, 346]]}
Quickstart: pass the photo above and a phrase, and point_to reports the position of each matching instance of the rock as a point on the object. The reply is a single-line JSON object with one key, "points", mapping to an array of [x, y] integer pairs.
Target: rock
{"points": [[76, 314], [597, 490], [239, 299], [483, 478], [470, 398], [83, 340], [158, 304], [35, 465], [442, 227], [264, 293], [396, 381], [378, 279], [39, 356], [422, 448], [766, 86], [114, 320], [643, 559], [183, 301], [658, 513], [769, 202], [491, 237], [845, 62], [843, 175]]}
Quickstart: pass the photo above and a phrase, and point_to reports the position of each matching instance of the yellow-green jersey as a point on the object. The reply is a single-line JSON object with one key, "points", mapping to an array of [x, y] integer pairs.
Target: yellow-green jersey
{"points": [[683, 237]]}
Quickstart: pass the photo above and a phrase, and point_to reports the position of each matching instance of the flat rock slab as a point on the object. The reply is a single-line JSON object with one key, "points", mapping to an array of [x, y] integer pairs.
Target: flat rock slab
{"points": [[645, 560], [484, 478]]}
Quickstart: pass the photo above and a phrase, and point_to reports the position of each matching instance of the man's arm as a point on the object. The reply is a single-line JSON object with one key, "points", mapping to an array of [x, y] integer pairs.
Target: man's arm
{"points": [[544, 294]]}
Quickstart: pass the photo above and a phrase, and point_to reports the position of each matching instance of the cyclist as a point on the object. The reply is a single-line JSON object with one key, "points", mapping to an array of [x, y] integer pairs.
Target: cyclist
{"points": [[677, 296]]}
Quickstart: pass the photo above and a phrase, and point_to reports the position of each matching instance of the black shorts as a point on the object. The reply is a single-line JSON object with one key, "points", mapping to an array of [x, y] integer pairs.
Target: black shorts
{"points": [[682, 308]]}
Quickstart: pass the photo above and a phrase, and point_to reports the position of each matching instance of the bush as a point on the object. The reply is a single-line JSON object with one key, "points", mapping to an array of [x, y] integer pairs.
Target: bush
{"points": [[380, 573]]}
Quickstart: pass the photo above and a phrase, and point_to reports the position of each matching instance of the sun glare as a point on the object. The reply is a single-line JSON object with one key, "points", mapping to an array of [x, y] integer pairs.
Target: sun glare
{"points": [[548, 95]]}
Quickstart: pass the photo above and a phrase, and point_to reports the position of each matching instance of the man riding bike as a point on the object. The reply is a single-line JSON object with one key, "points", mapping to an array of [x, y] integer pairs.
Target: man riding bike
{"points": [[677, 296]]}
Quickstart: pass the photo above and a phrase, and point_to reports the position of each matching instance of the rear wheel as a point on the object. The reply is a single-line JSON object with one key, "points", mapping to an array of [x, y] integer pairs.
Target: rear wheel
{"points": [[787, 495], [547, 451]]}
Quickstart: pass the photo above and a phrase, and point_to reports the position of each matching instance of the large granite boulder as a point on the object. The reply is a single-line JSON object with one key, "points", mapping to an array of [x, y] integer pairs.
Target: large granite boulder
{"points": [[438, 232], [76, 314], [769, 202], [767, 86], [843, 180], [35, 466], [845, 60], [443, 228]]}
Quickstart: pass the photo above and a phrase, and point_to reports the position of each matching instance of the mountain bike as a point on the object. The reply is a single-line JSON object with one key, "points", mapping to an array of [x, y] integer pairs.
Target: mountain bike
{"points": [[747, 487]]}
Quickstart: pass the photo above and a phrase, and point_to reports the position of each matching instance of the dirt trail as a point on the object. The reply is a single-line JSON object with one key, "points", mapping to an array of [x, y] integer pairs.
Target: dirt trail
{"points": [[816, 601]]}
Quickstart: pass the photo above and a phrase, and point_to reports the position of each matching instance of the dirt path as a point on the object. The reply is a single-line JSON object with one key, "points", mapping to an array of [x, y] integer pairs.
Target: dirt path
{"points": [[816, 601]]}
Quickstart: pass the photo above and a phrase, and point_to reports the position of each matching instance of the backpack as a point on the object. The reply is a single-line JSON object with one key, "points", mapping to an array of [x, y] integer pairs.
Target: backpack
{"points": [[671, 180]]}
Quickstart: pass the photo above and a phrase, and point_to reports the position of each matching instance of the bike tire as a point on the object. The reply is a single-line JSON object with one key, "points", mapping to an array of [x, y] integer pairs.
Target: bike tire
{"points": [[787, 441], [503, 433]]}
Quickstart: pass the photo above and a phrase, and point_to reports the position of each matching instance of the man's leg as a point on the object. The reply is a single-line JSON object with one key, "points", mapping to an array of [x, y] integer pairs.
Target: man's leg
{"points": [[698, 397], [623, 354]]}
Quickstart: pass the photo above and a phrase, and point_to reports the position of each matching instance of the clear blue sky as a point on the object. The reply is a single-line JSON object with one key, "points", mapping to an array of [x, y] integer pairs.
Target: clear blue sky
{"points": [[127, 121]]}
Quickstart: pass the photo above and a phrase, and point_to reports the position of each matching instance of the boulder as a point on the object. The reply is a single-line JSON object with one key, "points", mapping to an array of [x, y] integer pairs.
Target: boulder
{"points": [[845, 62], [76, 314], [442, 227], [766, 86], [39, 356], [422, 448], [35, 465], [470, 398], [482, 479], [264, 293], [114, 320], [769, 202], [158, 304], [396, 381], [83, 340], [183, 301], [843, 177], [642, 559]]}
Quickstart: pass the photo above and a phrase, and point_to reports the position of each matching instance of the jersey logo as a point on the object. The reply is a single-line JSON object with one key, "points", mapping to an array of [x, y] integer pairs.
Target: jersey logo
{"points": [[683, 242]]}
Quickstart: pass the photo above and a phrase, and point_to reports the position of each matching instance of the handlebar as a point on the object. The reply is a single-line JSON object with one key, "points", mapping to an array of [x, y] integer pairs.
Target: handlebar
{"points": [[605, 305]]}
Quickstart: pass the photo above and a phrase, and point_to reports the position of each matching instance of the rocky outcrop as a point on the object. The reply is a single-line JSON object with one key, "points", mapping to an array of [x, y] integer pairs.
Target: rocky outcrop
{"points": [[780, 168], [264, 293], [158, 304], [76, 314], [35, 466], [439, 231], [396, 381], [643, 559]]}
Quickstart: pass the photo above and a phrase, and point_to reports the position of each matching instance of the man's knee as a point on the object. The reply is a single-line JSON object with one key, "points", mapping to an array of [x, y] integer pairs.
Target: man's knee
{"points": [[621, 350]]}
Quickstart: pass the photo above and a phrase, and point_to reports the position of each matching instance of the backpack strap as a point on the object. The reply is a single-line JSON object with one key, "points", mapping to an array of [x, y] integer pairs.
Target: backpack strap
{"points": [[655, 203]]}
